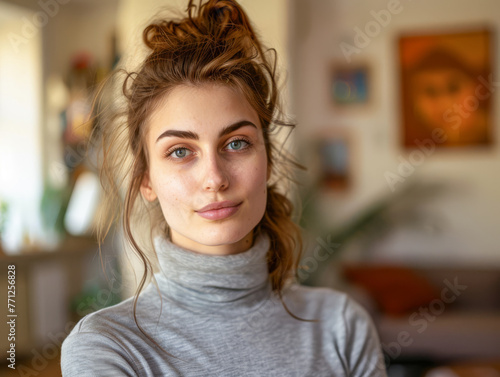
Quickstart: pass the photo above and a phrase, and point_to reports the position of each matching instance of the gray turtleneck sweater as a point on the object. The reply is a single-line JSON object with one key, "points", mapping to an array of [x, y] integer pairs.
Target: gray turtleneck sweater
{"points": [[218, 316]]}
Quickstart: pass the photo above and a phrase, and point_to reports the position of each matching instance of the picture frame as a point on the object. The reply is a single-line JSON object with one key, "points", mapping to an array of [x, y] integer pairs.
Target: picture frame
{"points": [[349, 86], [445, 91], [334, 159]]}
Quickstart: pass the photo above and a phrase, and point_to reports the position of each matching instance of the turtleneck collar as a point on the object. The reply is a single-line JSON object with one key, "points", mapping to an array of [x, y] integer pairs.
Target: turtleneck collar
{"points": [[234, 283]]}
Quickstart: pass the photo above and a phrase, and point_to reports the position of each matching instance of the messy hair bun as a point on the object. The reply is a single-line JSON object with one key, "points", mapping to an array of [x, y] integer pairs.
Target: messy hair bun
{"points": [[216, 20], [215, 43]]}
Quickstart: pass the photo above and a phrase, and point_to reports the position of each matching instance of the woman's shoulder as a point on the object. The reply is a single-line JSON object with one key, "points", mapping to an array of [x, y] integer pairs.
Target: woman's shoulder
{"points": [[100, 320], [320, 297], [349, 324], [93, 339], [119, 316], [108, 338], [338, 308], [329, 298], [99, 330]]}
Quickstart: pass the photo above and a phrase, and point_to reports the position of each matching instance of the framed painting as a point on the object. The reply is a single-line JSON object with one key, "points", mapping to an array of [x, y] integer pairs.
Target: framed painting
{"points": [[349, 85], [446, 89], [335, 165]]}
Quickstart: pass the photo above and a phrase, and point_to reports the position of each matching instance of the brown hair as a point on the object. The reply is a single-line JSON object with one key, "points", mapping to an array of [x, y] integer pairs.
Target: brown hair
{"points": [[215, 43]]}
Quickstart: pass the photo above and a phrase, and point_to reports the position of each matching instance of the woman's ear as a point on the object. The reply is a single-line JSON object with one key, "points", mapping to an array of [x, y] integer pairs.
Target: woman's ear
{"points": [[146, 188]]}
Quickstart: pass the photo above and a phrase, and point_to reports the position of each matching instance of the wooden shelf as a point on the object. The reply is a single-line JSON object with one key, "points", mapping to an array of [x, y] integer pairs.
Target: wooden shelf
{"points": [[69, 247]]}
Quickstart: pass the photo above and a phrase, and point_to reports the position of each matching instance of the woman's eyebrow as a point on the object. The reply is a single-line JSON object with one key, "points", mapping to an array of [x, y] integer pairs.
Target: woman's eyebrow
{"points": [[194, 136]]}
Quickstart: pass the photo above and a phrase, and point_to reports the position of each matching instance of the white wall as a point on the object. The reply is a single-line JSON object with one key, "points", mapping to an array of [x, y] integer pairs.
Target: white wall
{"points": [[79, 26], [468, 217]]}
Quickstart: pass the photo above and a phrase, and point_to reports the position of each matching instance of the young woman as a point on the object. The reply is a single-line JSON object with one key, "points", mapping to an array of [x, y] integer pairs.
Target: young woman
{"points": [[200, 172]]}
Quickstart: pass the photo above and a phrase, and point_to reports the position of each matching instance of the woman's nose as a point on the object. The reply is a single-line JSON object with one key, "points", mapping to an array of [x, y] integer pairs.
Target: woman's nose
{"points": [[215, 174]]}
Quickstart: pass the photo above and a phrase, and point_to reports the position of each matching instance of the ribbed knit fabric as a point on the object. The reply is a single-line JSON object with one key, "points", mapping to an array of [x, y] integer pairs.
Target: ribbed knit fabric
{"points": [[218, 316]]}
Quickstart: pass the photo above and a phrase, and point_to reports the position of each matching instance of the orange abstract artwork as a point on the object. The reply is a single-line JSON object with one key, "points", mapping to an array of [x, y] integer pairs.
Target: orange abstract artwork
{"points": [[447, 88]]}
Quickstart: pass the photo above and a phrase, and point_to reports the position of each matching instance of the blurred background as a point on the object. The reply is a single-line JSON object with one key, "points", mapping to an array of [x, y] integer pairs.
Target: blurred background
{"points": [[396, 109]]}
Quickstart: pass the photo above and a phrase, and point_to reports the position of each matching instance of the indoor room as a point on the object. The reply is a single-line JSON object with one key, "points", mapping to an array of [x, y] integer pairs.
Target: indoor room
{"points": [[387, 110]]}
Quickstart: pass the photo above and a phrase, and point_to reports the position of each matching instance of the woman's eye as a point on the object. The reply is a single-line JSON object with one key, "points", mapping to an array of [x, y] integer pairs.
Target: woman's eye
{"points": [[182, 152], [237, 144], [179, 153]]}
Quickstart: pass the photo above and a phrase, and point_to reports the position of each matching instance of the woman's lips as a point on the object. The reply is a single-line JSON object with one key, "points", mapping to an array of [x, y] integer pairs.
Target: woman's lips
{"points": [[219, 214]]}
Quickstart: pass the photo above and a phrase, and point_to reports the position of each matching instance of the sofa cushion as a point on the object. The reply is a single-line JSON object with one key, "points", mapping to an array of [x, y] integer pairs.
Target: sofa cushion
{"points": [[397, 290]]}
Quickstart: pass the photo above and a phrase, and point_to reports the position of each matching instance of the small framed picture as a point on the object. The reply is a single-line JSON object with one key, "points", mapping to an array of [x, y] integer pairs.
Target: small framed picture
{"points": [[335, 165], [349, 85]]}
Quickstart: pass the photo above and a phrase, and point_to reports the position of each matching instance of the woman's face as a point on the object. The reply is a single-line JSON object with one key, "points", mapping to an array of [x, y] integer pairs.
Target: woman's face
{"points": [[205, 146]]}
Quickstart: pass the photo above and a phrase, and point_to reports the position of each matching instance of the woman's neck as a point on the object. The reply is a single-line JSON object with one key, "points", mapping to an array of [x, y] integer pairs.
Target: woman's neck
{"points": [[226, 284]]}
